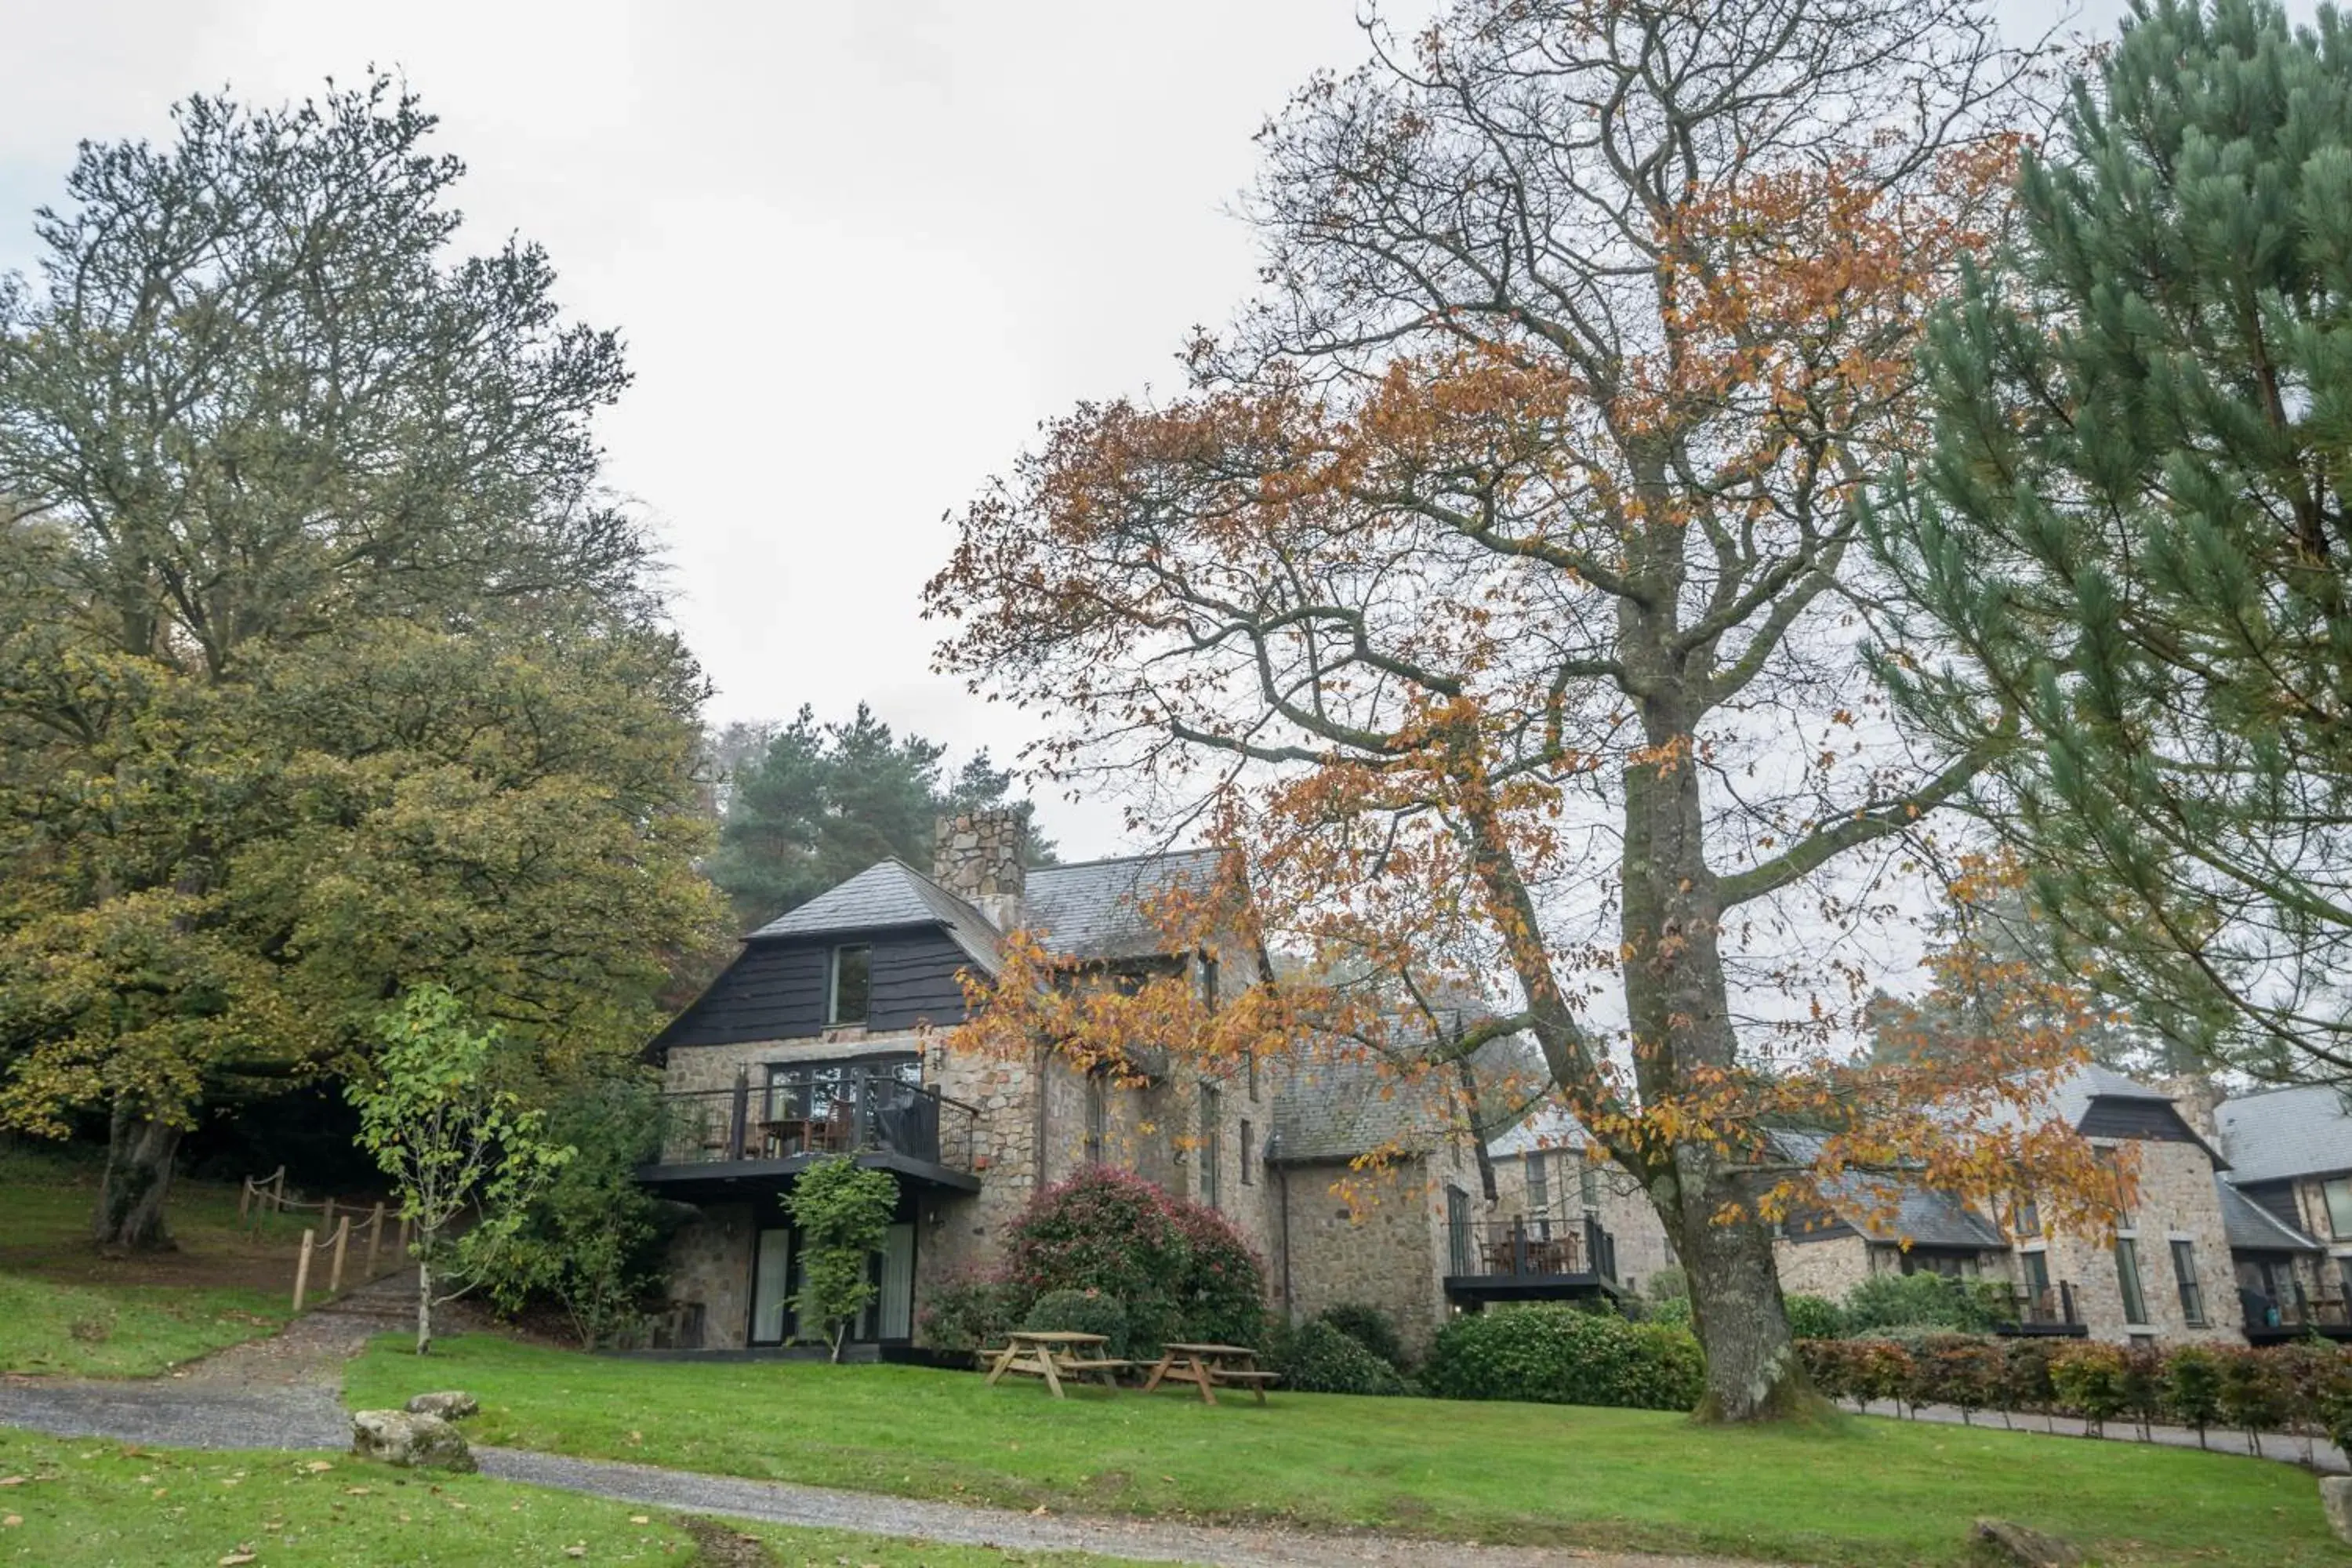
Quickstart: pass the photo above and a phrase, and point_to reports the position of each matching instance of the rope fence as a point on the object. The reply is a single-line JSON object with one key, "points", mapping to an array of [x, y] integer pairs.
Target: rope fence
{"points": [[266, 1195]]}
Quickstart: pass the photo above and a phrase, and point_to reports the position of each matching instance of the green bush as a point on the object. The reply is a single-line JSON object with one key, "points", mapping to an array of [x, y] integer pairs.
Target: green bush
{"points": [[1321, 1358], [1672, 1313], [1924, 1300], [1557, 1355], [969, 1311], [1080, 1312], [1369, 1327], [1816, 1318], [2193, 1388], [2026, 1376], [2254, 1394], [1182, 1271], [2090, 1382], [1961, 1370]]}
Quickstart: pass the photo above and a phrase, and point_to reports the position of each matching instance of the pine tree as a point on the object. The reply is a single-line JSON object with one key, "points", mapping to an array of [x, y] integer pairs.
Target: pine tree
{"points": [[2130, 532]]}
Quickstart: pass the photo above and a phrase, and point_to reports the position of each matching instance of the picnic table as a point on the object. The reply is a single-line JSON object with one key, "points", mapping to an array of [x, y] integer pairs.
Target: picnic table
{"points": [[1209, 1368], [1055, 1356]]}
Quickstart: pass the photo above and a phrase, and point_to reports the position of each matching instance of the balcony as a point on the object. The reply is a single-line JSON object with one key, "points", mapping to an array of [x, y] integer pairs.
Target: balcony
{"points": [[2293, 1314], [1531, 1257], [751, 1137], [2049, 1311]]}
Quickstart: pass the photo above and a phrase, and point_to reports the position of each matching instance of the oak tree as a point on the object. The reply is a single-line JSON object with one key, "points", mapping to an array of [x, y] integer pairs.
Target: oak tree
{"points": [[1488, 586]]}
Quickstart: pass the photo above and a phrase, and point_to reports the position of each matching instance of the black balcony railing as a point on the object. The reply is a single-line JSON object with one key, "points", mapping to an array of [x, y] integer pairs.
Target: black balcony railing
{"points": [[2294, 1311], [1534, 1248], [2051, 1308], [841, 1111]]}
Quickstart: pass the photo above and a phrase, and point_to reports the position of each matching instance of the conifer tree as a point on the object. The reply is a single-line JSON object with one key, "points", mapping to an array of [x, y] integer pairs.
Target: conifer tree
{"points": [[2129, 529]]}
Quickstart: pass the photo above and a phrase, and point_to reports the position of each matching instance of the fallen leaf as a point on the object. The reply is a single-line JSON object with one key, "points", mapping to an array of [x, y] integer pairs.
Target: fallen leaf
{"points": [[315, 1466], [576, 1551], [355, 1491], [235, 1557], [159, 1491], [640, 1518], [1039, 1510], [12, 1481], [10, 1521]]}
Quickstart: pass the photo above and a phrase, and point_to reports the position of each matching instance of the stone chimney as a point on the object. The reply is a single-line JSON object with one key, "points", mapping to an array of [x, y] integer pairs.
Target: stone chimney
{"points": [[2197, 1097], [982, 858]]}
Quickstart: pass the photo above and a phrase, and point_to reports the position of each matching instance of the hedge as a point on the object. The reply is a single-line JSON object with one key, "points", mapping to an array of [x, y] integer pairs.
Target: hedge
{"points": [[1559, 1355], [1080, 1312], [2296, 1388], [1321, 1359]]}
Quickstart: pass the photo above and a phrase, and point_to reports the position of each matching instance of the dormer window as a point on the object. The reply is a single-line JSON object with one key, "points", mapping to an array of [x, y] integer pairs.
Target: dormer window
{"points": [[850, 984]]}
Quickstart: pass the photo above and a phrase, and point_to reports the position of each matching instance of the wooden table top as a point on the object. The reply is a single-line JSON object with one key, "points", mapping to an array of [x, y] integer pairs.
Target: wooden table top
{"points": [[1210, 1350]]}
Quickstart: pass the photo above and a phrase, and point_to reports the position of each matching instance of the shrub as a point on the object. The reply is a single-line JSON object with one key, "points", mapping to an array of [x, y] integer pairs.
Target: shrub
{"points": [[1668, 1284], [969, 1310], [1560, 1356], [1674, 1312], [1179, 1270], [843, 1212], [2143, 1385], [2026, 1376], [1080, 1312], [1881, 1369], [1828, 1366], [1923, 1300], [2193, 1388], [1816, 1318], [1957, 1369], [1321, 1358], [2253, 1394], [1369, 1327], [2089, 1381]]}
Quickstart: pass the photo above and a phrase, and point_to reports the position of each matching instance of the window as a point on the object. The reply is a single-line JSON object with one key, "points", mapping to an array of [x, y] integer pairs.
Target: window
{"points": [[1211, 1137], [1457, 1228], [2026, 1217], [2338, 1194], [1587, 1183], [1539, 1181], [1098, 1115], [2106, 1159], [2127, 1279], [2192, 1297], [2037, 1276], [852, 985], [1209, 983], [1246, 1154]]}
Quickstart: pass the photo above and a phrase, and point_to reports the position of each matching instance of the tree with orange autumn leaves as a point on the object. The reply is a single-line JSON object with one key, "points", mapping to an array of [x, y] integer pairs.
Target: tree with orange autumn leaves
{"points": [[1487, 592]]}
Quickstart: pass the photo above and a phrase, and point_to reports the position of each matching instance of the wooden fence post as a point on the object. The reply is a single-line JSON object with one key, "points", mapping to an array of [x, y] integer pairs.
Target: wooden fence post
{"points": [[327, 1219], [404, 1236], [302, 1270], [335, 1274], [375, 1235], [244, 1200]]}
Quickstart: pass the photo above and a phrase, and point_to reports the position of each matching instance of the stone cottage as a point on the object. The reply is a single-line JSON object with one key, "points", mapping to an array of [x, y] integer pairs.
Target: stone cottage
{"points": [[2290, 1152]]}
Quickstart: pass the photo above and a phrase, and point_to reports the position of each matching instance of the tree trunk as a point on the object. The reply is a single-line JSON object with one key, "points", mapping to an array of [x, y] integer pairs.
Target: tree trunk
{"points": [[425, 1295], [1736, 1310], [139, 1152]]}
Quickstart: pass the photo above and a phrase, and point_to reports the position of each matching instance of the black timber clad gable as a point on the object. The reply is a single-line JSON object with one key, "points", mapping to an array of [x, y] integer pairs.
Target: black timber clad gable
{"points": [[2277, 1197], [775, 989], [2149, 1120]]}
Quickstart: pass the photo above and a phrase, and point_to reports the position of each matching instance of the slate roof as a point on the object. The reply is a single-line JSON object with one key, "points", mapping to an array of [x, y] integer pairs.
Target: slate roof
{"points": [[2254, 1228], [1551, 1127], [887, 894], [1101, 908], [1339, 1110], [1093, 910], [2285, 1132], [1884, 1207], [2090, 1082]]}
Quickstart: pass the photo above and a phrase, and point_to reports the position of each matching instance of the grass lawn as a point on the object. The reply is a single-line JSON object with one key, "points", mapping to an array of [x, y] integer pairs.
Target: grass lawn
{"points": [[67, 1307], [1865, 1491], [83, 1503]]}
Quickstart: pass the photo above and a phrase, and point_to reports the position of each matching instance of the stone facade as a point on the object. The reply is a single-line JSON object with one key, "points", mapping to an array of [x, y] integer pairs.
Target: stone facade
{"points": [[1828, 1266], [1372, 1237], [2176, 1203], [982, 856]]}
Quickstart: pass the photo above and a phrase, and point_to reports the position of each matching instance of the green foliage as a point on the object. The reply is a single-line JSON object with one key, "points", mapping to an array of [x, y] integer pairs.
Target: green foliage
{"points": [[2089, 1379], [592, 1239], [971, 1310], [1323, 1358], [1080, 1312], [2255, 1394], [1180, 1270], [2025, 1374], [811, 805], [330, 672], [2123, 543], [1558, 1355], [1960, 1369], [1814, 1317], [448, 1140], [1923, 1300], [1674, 1312], [2193, 1388], [843, 1212], [1369, 1327]]}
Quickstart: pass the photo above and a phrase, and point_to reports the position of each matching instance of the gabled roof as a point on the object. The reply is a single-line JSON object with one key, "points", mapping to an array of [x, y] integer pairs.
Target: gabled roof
{"points": [[2254, 1228], [2285, 1132], [888, 895], [1102, 909], [1339, 1110], [1887, 1207], [1550, 1127]]}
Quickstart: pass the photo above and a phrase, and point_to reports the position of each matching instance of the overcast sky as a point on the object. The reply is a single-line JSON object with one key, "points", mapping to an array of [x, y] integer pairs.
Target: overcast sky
{"points": [[858, 250]]}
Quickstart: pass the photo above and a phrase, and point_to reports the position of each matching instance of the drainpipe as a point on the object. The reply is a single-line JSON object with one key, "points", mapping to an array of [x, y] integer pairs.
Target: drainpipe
{"points": [[1037, 1152], [1268, 1159]]}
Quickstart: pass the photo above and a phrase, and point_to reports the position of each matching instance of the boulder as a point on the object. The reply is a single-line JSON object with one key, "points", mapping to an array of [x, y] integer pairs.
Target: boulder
{"points": [[415, 1441], [450, 1404], [2335, 1501], [2026, 1548]]}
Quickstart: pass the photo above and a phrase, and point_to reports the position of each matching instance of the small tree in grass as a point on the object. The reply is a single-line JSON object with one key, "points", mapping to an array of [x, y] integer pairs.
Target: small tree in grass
{"points": [[447, 1139], [843, 1214], [2193, 1388]]}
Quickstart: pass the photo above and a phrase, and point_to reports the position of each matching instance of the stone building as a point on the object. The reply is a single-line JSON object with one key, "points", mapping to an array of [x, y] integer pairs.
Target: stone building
{"points": [[824, 1037], [2290, 1152]]}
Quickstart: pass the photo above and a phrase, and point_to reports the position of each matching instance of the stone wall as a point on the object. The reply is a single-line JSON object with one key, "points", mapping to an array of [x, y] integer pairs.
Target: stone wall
{"points": [[1828, 1267], [1385, 1248], [982, 856], [2176, 1202], [711, 1262]]}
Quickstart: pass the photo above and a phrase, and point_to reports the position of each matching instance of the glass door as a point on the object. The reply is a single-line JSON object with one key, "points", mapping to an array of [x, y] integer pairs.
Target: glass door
{"points": [[772, 1287], [894, 1312]]}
